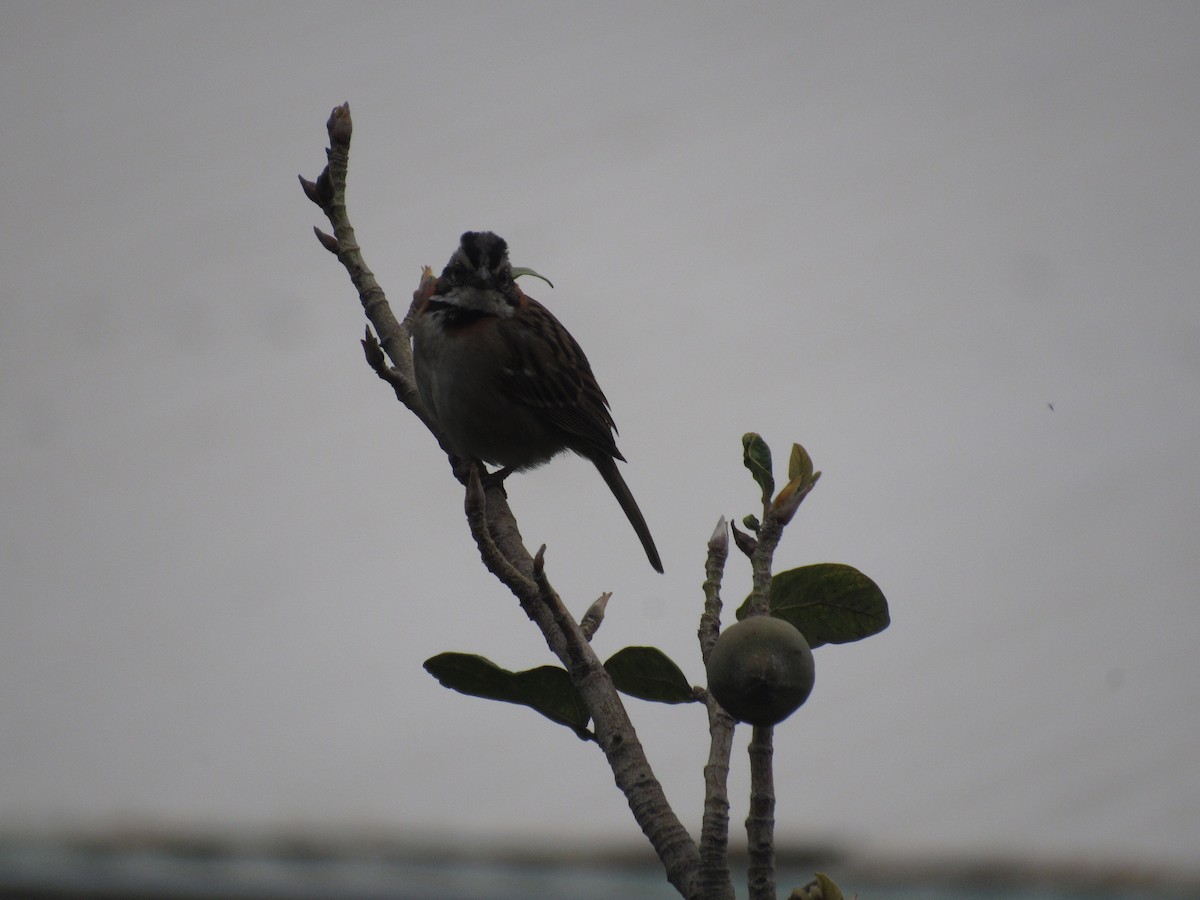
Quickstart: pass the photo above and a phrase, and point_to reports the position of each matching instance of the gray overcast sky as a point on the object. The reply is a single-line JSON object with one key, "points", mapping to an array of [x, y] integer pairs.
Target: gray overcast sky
{"points": [[893, 232]]}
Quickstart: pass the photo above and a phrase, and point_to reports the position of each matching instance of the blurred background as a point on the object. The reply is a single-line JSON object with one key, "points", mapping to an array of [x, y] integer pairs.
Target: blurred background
{"points": [[949, 247]]}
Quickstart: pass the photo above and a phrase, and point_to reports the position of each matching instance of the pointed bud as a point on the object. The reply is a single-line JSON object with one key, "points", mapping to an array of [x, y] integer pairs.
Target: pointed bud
{"points": [[310, 189], [374, 353], [789, 499], [744, 542], [339, 125], [328, 241], [594, 616], [719, 542]]}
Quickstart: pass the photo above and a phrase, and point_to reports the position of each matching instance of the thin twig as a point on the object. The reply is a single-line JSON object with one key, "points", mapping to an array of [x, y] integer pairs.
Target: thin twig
{"points": [[715, 880]]}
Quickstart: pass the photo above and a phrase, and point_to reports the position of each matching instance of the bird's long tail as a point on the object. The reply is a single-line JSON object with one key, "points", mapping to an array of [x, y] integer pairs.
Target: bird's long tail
{"points": [[612, 477]]}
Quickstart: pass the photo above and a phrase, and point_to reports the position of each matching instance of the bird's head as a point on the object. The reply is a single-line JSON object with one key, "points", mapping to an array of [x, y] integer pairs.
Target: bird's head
{"points": [[480, 265]]}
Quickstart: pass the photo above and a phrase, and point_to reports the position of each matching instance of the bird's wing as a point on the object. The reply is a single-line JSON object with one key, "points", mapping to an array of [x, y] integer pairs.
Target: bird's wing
{"points": [[547, 371]]}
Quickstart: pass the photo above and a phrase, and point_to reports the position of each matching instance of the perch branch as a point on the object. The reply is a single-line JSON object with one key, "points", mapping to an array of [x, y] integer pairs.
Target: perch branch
{"points": [[495, 530]]}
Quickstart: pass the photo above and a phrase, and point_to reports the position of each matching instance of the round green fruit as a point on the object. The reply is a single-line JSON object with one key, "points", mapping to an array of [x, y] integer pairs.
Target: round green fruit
{"points": [[761, 670]]}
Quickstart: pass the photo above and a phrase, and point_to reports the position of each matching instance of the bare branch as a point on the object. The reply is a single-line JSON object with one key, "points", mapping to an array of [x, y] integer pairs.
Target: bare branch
{"points": [[714, 570], [329, 192], [715, 880], [761, 561], [760, 823]]}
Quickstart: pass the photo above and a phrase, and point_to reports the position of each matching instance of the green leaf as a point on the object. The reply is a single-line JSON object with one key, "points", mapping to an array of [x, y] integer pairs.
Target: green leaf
{"points": [[821, 886], [648, 674], [471, 674], [518, 271], [757, 457], [800, 465], [829, 890], [546, 689], [829, 603]]}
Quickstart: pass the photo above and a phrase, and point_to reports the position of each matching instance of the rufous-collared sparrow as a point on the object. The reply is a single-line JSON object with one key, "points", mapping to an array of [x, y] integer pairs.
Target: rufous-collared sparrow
{"points": [[505, 381]]}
